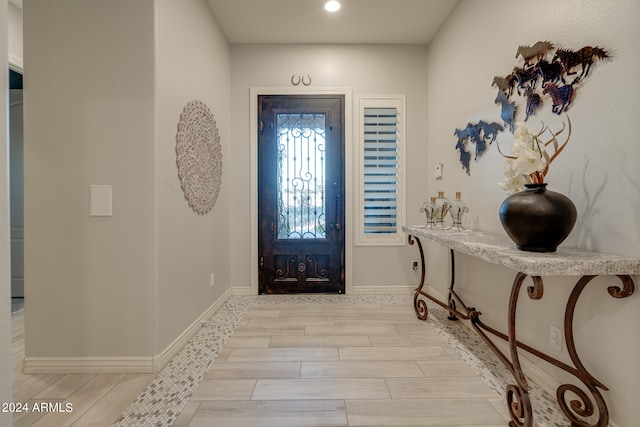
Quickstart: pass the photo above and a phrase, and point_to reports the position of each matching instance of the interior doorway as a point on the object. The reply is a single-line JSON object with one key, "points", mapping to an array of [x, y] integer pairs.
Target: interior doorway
{"points": [[301, 207], [16, 190]]}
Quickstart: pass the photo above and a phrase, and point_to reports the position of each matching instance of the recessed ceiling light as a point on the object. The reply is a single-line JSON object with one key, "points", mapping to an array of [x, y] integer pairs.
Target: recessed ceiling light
{"points": [[332, 6]]}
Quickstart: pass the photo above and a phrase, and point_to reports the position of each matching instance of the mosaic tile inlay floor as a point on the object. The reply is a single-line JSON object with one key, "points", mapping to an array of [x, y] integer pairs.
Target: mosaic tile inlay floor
{"points": [[163, 400]]}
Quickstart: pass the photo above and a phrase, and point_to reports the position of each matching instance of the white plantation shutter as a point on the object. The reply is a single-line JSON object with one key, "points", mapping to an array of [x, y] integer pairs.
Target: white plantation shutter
{"points": [[381, 166], [380, 170]]}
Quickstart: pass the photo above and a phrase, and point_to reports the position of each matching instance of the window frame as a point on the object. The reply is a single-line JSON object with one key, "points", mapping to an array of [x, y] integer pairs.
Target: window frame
{"points": [[381, 101]]}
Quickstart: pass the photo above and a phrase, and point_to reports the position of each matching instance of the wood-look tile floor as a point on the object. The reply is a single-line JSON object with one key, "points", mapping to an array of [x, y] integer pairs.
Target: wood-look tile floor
{"points": [[96, 400], [339, 365], [296, 361]]}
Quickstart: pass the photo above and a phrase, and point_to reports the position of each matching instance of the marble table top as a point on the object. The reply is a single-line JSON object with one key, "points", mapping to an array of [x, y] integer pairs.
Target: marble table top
{"points": [[501, 250]]}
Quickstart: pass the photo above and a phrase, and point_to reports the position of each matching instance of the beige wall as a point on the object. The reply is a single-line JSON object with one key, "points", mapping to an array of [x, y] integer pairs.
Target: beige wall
{"points": [[89, 282], [104, 110], [365, 69], [5, 276], [598, 169], [192, 63]]}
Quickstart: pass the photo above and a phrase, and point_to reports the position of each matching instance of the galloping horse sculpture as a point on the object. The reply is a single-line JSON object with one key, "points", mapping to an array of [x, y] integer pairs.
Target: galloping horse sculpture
{"points": [[537, 51], [525, 77], [478, 134], [562, 96], [533, 103], [508, 112], [465, 156], [505, 83], [490, 130], [585, 57], [549, 71]]}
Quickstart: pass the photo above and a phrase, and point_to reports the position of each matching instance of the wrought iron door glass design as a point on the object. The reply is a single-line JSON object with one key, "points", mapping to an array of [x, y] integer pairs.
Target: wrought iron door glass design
{"points": [[301, 176]]}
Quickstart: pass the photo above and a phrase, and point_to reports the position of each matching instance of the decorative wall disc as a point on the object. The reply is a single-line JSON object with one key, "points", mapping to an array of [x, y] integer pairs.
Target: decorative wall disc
{"points": [[199, 156]]}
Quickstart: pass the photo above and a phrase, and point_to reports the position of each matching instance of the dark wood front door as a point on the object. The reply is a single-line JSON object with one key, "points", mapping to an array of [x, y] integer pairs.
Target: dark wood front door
{"points": [[301, 194]]}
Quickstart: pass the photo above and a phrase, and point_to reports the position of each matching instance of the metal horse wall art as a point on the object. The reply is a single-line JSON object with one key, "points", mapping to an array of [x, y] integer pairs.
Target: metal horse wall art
{"points": [[525, 78], [479, 134], [533, 103], [508, 113], [550, 71], [562, 96], [584, 57], [543, 74], [537, 51], [505, 84], [537, 67]]}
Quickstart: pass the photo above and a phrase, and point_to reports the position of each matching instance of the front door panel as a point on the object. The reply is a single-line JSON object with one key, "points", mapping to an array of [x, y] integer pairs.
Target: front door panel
{"points": [[300, 194]]}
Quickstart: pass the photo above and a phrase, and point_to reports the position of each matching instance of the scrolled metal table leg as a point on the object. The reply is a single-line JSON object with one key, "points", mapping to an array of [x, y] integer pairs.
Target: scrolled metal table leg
{"points": [[451, 302], [518, 400], [419, 305], [582, 407]]}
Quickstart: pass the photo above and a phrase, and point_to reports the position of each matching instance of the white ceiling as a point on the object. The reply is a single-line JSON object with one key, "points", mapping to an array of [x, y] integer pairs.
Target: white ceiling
{"points": [[306, 21]]}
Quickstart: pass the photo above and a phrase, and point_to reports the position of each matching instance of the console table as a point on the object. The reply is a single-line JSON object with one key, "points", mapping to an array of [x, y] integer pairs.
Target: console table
{"points": [[565, 262]]}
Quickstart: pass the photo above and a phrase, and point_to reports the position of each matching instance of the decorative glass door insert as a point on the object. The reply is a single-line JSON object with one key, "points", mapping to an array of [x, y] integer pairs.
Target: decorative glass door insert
{"points": [[301, 176]]}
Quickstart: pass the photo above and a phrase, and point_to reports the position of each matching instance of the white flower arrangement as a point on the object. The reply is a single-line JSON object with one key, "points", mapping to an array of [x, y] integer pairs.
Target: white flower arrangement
{"points": [[528, 161]]}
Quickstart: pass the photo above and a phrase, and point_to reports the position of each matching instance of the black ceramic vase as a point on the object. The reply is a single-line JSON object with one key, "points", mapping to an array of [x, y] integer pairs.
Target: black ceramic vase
{"points": [[537, 219]]}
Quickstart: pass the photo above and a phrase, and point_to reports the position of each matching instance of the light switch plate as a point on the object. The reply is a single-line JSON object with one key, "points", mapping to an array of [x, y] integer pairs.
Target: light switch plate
{"points": [[101, 200]]}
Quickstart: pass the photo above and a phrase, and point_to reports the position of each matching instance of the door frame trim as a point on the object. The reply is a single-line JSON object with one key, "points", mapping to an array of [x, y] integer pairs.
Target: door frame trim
{"points": [[254, 92]]}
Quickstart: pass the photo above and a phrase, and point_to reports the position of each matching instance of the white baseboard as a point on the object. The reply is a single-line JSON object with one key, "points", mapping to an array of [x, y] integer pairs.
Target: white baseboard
{"points": [[87, 365], [434, 293], [120, 365], [172, 349], [241, 291], [381, 290], [355, 290]]}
